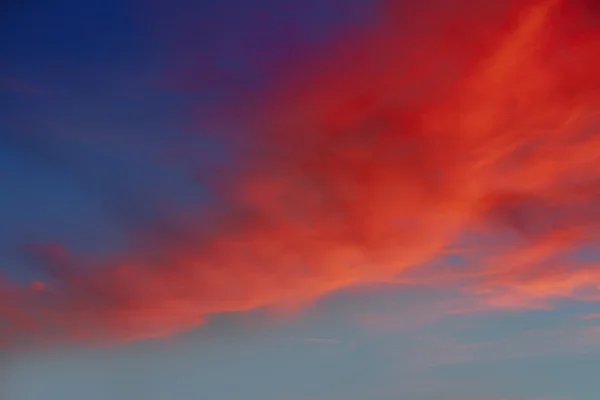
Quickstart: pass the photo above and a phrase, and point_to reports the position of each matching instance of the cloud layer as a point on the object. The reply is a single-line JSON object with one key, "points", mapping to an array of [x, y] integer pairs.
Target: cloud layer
{"points": [[458, 146]]}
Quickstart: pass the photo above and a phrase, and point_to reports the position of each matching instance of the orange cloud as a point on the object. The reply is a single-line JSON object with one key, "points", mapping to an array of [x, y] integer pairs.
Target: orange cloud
{"points": [[469, 122]]}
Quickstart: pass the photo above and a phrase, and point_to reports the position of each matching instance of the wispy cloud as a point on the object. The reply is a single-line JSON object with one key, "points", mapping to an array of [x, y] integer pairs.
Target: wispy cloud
{"points": [[367, 167]]}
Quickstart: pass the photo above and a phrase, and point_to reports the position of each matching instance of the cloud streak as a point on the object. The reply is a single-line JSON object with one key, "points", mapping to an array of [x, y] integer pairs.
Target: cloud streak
{"points": [[368, 167]]}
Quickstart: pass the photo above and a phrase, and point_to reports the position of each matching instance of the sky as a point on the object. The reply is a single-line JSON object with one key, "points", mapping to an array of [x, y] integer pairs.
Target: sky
{"points": [[300, 200]]}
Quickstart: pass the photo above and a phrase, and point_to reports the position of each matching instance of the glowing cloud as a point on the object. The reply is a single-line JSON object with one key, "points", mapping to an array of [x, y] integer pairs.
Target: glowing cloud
{"points": [[372, 165]]}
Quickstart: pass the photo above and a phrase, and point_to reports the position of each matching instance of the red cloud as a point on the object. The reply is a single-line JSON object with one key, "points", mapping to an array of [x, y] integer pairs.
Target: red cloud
{"points": [[371, 164]]}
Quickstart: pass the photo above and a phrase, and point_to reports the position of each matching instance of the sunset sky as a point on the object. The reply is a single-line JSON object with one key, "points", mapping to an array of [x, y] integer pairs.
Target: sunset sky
{"points": [[299, 200]]}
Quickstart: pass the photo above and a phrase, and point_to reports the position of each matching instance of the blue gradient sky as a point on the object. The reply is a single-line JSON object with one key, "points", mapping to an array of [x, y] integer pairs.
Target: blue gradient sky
{"points": [[95, 96]]}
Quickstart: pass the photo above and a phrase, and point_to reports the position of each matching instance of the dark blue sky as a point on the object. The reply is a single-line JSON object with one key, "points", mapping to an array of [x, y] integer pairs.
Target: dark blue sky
{"points": [[94, 95]]}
